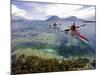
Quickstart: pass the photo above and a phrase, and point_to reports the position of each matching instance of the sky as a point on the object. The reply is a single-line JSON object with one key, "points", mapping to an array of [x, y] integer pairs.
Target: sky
{"points": [[42, 11]]}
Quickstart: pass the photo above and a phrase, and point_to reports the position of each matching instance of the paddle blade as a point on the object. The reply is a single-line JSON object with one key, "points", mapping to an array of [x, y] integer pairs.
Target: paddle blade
{"points": [[81, 25], [66, 30]]}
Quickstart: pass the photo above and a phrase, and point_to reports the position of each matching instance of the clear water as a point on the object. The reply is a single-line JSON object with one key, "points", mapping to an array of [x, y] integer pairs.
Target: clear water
{"points": [[39, 37]]}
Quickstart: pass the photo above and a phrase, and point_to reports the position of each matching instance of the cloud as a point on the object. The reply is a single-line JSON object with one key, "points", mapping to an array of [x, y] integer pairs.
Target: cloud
{"points": [[41, 11], [18, 13], [71, 10], [63, 10], [87, 13], [30, 10]]}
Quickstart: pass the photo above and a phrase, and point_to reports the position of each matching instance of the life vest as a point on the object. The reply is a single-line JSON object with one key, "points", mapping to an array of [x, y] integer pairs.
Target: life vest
{"points": [[73, 27]]}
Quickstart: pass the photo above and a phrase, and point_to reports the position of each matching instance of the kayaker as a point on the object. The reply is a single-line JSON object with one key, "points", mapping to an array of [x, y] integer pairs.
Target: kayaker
{"points": [[73, 27], [54, 24]]}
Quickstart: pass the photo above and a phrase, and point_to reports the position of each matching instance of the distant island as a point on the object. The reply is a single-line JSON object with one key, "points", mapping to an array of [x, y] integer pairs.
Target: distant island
{"points": [[70, 18], [90, 21], [56, 18]]}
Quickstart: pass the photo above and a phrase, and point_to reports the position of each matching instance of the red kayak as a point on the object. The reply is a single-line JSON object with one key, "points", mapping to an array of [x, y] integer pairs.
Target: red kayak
{"points": [[81, 36]]}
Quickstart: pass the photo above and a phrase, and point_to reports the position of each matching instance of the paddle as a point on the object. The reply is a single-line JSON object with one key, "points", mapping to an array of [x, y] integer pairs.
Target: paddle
{"points": [[81, 25]]}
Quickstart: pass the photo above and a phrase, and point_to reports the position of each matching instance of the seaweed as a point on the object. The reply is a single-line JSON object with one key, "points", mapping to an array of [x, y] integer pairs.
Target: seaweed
{"points": [[23, 64]]}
